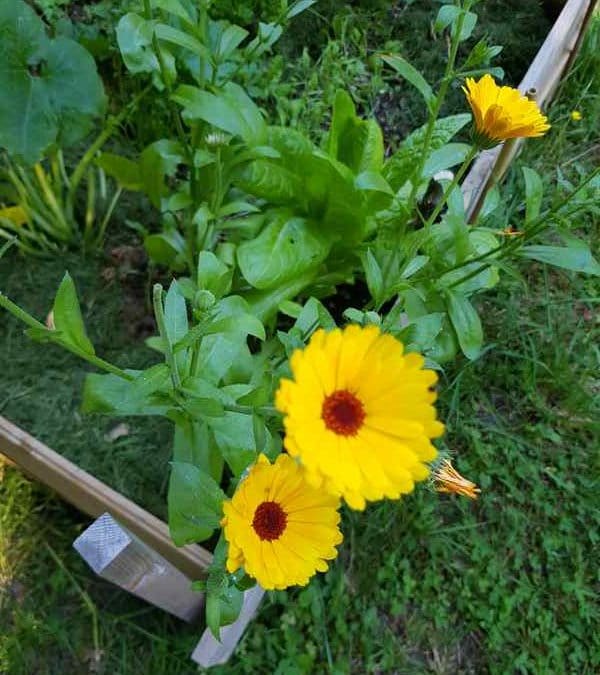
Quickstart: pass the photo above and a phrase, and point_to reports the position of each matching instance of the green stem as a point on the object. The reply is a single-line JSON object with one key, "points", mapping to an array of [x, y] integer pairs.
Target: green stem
{"points": [[435, 111], [30, 321], [455, 181], [88, 157], [159, 313]]}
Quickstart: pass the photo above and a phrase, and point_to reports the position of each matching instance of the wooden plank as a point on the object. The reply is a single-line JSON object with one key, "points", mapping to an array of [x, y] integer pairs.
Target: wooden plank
{"points": [[541, 79], [93, 497], [117, 555], [210, 652]]}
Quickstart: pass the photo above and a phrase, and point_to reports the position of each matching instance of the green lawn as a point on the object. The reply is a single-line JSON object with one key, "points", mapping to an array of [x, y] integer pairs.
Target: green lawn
{"points": [[432, 584]]}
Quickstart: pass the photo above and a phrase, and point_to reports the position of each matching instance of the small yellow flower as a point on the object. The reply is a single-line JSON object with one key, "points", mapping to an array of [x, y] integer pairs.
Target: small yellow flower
{"points": [[448, 479], [359, 414], [576, 115], [279, 528], [15, 214], [502, 112]]}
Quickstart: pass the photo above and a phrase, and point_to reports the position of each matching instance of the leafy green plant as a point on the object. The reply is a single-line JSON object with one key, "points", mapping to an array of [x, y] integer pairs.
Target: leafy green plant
{"points": [[56, 97], [265, 223]]}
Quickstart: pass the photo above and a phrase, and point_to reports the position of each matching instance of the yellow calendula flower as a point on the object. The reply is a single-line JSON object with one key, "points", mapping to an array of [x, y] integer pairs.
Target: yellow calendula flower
{"points": [[279, 528], [359, 414], [502, 112], [576, 116], [448, 480]]}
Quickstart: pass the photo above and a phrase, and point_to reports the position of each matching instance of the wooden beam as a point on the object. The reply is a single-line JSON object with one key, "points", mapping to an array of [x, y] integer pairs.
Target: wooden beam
{"points": [[543, 77], [93, 497], [117, 555], [210, 652]]}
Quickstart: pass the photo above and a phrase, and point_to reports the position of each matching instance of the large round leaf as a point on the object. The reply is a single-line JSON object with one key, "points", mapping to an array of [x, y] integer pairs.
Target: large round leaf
{"points": [[286, 248], [51, 91]]}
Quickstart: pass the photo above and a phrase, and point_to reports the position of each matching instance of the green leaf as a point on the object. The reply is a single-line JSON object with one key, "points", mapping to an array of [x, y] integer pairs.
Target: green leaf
{"points": [[401, 165], [412, 75], [231, 38], [355, 142], [149, 381], [157, 161], [298, 7], [466, 324], [68, 319], [374, 276], [175, 7], [234, 434], [167, 248], [286, 248], [125, 171], [181, 39], [446, 157], [230, 110], [176, 319], [577, 259], [449, 15], [51, 89], [195, 504], [534, 192], [223, 606], [113, 394], [213, 274]]}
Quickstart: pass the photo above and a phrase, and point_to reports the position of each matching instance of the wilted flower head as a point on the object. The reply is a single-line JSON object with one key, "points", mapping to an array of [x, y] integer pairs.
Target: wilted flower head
{"points": [[447, 479]]}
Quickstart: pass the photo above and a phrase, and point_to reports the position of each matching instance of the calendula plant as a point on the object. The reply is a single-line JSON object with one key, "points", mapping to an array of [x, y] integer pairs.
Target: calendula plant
{"points": [[275, 425]]}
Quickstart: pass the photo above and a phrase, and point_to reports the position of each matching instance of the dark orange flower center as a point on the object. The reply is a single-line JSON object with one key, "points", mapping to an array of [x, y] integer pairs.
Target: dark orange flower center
{"points": [[269, 521], [343, 413]]}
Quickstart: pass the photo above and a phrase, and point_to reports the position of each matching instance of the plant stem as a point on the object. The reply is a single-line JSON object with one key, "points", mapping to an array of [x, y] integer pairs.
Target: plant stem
{"points": [[30, 321], [455, 181]]}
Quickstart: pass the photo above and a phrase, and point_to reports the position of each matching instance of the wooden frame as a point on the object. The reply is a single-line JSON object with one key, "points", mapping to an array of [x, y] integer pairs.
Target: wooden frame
{"points": [[96, 498]]}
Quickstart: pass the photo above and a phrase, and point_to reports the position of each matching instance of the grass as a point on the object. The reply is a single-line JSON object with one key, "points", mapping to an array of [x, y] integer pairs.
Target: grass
{"points": [[433, 584]]}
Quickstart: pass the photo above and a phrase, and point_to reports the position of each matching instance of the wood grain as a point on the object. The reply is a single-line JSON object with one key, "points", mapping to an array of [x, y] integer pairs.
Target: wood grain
{"points": [[93, 497]]}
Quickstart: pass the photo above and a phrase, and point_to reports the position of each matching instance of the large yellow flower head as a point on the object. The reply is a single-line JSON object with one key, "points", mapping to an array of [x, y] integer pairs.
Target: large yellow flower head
{"points": [[502, 112], [359, 414], [279, 528]]}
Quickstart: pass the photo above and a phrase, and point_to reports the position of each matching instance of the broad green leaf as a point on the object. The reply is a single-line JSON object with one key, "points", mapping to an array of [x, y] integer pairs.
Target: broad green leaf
{"points": [[213, 274], [449, 15], [534, 192], [166, 248], [466, 324], [125, 171], [195, 504], [194, 443], [68, 319], [176, 319], [412, 75], [112, 394], [267, 180], [177, 8], [149, 381], [298, 7], [577, 259], [286, 248], [401, 165], [134, 37], [234, 434], [230, 110], [231, 38], [420, 334], [181, 39], [446, 157], [355, 142], [51, 90]]}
